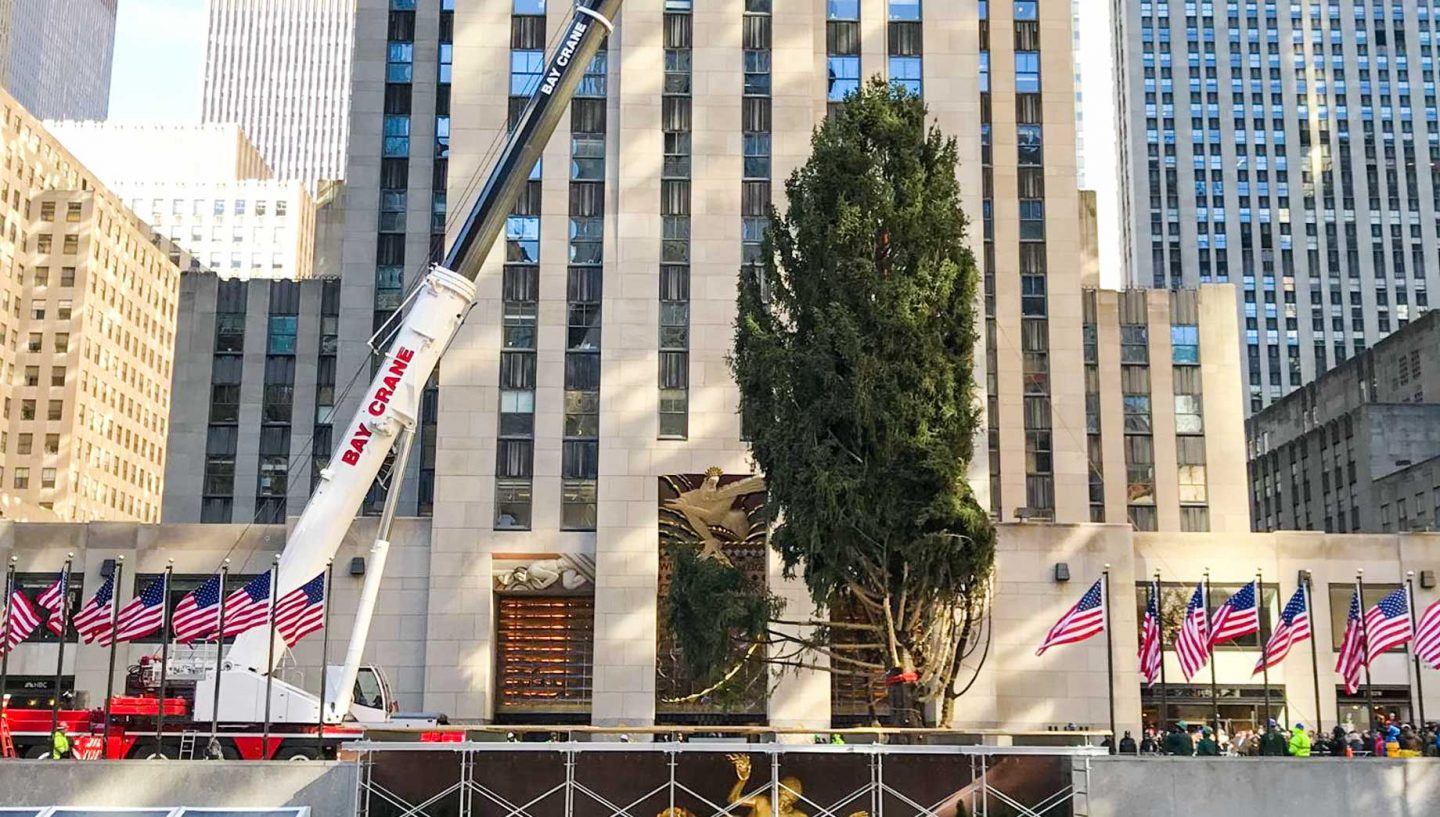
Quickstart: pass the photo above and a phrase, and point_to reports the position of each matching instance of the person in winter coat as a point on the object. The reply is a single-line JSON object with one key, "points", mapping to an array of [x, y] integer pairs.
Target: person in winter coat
{"points": [[1148, 744], [1272, 743], [1392, 741], [1409, 742], [1299, 742], [1128, 746], [1207, 747], [1339, 742], [1178, 742]]}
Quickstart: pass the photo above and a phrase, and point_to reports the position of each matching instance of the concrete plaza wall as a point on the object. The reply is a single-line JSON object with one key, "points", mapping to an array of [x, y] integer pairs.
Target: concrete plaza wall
{"points": [[327, 788], [1123, 787]]}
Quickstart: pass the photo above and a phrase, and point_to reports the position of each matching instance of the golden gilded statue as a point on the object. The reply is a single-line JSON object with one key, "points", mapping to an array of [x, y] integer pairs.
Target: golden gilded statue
{"points": [[759, 804], [711, 507], [791, 790]]}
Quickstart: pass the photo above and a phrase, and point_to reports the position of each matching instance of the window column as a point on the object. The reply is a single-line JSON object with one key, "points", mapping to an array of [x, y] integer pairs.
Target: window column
{"points": [[322, 444], [580, 451], [1135, 395], [279, 398], [987, 264], [520, 287], [217, 502], [675, 122], [1034, 303], [1190, 413], [755, 129], [1093, 440]]}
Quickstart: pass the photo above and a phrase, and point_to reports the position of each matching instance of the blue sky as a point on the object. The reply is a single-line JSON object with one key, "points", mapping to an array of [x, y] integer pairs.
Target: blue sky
{"points": [[159, 60]]}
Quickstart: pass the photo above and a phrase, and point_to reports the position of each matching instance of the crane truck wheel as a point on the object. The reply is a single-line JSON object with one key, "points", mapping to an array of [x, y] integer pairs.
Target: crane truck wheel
{"points": [[36, 752], [150, 750], [297, 753]]}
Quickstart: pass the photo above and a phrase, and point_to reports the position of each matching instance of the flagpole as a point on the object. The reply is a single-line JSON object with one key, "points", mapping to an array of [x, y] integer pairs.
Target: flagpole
{"points": [[1419, 685], [164, 653], [1308, 584], [325, 655], [64, 603], [1214, 693], [1365, 647], [117, 576], [1162, 724], [1260, 635], [219, 654], [5, 652], [1109, 663], [270, 673]]}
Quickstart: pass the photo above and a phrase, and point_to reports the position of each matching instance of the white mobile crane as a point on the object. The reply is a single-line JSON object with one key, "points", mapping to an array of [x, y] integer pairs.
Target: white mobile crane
{"points": [[390, 409]]}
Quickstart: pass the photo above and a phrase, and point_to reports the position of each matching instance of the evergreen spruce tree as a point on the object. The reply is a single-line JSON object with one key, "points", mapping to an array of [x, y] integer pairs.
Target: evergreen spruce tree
{"points": [[854, 353]]}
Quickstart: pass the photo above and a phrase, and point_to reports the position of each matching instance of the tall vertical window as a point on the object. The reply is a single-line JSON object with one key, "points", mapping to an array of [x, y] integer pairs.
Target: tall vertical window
{"points": [[580, 451], [1135, 399], [987, 262], [1094, 447], [1189, 411], [1034, 269], [323, 444], [277, 403], [520, 287], [218, 481], [674, 374]]}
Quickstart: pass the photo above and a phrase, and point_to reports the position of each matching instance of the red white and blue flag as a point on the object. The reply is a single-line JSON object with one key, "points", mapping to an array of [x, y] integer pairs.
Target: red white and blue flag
{"points": [[1293, 628], [1387, 624], [1192, 646], [1239, 615], [197, 616], [21, 621], [1352, 651], [142, 616], [1080, 622], [249, 606], [1427, 637], [1150, 653], [94, 615], [302, 611], [54, 598]]}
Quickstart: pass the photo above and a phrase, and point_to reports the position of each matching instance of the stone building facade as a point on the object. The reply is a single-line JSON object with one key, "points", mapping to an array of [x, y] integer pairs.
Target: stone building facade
{"points": [[426, 620], [87, 339], [1357, 450]]}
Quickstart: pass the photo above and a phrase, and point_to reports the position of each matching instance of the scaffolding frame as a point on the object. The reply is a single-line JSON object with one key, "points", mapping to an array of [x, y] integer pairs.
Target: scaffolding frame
{"points": [[868, 796]]}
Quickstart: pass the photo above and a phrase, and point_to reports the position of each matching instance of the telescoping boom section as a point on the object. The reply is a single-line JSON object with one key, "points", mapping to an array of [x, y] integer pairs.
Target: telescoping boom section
{"points": [[391, 404]]}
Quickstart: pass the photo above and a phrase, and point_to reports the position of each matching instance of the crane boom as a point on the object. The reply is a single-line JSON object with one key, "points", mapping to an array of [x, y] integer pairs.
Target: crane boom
{"points": [[392, 403]]}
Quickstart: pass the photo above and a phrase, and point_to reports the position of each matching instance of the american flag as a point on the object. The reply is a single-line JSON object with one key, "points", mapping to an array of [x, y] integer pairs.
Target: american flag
{"points": [[1293, 628], [1080, 622], [142, 616], [302, 611], [1387, 624], [1239, 615], [1150, 653], [94, 615], [249, 606], [1427, 637], [24, 618], [51, 598], [1193, 644], [198, 613], [1352, 655]]}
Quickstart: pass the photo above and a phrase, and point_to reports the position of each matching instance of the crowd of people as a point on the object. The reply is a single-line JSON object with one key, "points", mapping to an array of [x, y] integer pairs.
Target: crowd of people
{"points": [[1197, 740]]}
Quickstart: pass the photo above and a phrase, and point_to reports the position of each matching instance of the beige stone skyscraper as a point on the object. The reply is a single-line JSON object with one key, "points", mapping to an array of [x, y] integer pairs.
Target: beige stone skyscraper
{"points": [[281, 70], [87, 339]]}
